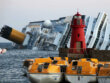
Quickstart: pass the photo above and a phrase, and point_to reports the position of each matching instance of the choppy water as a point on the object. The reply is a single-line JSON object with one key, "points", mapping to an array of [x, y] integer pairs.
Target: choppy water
{"points": [[11, 69]]}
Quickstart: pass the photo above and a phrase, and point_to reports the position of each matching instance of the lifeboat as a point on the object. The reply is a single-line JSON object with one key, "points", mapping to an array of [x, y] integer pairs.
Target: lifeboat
{"points": [[60, 70]]}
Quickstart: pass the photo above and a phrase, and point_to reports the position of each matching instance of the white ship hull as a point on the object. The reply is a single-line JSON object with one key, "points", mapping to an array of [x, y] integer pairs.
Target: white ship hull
{"points": [[56, 78]]}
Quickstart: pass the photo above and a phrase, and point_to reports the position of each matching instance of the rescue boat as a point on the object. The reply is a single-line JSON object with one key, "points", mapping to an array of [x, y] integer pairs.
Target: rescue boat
{"points": [[59, 70]]}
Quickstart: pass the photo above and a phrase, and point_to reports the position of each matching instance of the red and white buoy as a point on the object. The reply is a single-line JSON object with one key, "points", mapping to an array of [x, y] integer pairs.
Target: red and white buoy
{"points": [[2, 51]]}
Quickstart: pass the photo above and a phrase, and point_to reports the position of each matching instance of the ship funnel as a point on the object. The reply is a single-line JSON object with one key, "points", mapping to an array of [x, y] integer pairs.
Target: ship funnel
{"points": [[12, 34]]}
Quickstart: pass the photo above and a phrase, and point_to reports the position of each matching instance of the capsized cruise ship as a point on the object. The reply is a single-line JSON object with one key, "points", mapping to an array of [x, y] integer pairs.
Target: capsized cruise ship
{"points": [[52, 34]]}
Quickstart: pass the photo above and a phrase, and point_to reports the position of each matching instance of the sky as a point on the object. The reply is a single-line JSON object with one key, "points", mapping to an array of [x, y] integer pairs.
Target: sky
{"points": [[18, 13]]}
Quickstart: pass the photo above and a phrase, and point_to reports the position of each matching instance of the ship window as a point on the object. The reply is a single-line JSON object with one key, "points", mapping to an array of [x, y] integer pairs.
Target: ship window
{"points": [[74, 63], [88, 59], [87, 44], [54, 62], [40, 68], [46, 65], [91, 32], [39, 40], [63, 68], [52, 58]]}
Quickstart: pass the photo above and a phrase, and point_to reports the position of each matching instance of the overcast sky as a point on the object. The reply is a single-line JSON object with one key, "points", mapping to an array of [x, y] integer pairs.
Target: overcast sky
{"points": [[18, 13]]}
